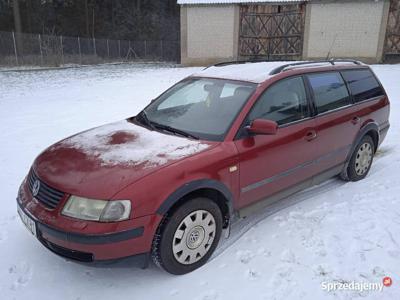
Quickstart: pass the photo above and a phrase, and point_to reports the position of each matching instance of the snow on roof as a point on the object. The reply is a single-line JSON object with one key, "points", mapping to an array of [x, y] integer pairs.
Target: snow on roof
{"points": [[233, 1], [254, 72]]}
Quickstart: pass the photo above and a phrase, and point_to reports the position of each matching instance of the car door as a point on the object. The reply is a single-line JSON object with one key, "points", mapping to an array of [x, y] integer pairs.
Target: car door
{"points": [[337, 122], [270, 163]]}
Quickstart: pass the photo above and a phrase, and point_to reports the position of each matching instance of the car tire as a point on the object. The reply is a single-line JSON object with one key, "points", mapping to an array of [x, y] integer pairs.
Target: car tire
{"points": [[361, 159], [187, 236]]}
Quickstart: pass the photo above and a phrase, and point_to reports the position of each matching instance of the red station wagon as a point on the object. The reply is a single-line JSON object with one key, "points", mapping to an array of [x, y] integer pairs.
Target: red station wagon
{"points": [[216, 146]]}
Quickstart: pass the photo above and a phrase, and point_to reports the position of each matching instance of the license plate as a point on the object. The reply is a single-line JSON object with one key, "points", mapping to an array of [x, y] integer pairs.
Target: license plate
{"points": [[28, 222]]}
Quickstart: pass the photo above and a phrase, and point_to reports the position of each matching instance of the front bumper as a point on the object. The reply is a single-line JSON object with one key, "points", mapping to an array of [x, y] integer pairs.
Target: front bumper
{"points": [[127, 242], [137, 260], [88, 248], [87, 257]]}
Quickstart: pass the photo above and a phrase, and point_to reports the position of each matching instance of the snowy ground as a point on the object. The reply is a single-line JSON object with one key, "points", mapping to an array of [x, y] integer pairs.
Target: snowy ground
{"points": [[336, 232]]}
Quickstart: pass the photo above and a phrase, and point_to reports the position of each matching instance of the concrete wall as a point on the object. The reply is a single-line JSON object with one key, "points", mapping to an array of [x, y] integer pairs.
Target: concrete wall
{"points": [[348, 29], [209, 34], [345, 28]]}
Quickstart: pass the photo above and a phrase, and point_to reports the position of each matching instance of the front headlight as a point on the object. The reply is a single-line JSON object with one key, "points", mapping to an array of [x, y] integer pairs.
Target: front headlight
{"points": [[97, 210]]}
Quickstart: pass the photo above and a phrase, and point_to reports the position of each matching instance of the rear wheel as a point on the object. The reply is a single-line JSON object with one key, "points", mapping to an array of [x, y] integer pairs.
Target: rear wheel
{"points": [[361, 160], [186, 239]]}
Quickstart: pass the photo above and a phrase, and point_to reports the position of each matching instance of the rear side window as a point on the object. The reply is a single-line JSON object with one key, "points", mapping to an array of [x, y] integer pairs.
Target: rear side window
{"points": [[330, 91], [363, 84], [284, 102]]}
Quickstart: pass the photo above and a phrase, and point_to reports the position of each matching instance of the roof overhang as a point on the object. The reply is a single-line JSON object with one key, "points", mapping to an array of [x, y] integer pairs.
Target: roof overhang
{"points": [[194, 2]]}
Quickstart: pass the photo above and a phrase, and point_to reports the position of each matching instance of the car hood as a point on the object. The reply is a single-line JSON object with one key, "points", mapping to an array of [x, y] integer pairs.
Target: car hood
{"points": [[99, 162]]}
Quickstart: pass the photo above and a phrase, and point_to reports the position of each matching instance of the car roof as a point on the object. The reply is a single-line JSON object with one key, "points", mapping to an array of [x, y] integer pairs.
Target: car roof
{"points": [[258, 72]]}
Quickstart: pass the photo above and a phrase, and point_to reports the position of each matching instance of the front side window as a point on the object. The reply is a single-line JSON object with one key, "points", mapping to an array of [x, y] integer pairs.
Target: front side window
{"points": [[203, 107], [284, 102], [363, 84], [330, 91]]}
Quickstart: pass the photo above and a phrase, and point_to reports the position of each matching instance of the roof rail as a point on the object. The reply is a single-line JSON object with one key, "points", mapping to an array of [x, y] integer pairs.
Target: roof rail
{"points": [[283, 67], [234, 62], [331, 61]]}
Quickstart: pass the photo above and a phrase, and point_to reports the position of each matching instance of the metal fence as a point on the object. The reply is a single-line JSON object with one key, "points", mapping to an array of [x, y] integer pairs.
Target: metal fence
{"points": [[51, 50]]}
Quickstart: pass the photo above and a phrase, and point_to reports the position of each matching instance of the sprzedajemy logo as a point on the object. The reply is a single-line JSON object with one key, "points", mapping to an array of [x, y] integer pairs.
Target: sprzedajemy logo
{"points": [[356, 285]]}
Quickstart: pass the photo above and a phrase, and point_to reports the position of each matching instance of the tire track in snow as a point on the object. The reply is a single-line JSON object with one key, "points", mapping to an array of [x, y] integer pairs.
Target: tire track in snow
{"points": [[241, 226]]}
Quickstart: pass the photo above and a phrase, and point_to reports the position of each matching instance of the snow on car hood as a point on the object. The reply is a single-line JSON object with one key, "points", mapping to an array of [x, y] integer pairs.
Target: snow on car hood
{"points": [[128, 144], [105, 159]]}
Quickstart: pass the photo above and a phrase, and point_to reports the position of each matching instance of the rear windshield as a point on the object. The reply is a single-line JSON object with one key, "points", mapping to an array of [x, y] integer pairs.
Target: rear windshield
{"points": [[363, 84]]}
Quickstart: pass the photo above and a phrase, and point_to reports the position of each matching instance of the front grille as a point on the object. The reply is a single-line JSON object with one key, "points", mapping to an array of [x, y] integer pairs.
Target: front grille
{"points": [[46, 195]]}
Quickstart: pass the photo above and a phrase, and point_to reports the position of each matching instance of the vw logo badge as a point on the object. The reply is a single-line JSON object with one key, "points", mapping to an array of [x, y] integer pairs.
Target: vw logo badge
{"points": [[36, 188]]}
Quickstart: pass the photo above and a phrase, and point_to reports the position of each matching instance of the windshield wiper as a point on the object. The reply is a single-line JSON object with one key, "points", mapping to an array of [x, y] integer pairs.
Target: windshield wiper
{"points": [[154, 126], [145, 119], [174, 130]]}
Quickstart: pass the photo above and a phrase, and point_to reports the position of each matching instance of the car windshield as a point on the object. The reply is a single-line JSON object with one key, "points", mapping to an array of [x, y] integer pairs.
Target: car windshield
{"points": [[198, 107]]}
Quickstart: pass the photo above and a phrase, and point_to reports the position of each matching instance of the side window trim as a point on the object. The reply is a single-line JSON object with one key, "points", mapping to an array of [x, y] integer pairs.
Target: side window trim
{"points": [[369, 99], [310, 96], [334, 110], [348, 88]]}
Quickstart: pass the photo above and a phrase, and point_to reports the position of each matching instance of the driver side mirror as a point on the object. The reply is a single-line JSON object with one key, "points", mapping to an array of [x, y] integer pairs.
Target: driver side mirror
{"points": [[263, 127]]}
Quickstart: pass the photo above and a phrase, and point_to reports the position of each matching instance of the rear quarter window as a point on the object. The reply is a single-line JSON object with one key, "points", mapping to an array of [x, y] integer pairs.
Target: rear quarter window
{"points": [[329, 90], [362, 84]]}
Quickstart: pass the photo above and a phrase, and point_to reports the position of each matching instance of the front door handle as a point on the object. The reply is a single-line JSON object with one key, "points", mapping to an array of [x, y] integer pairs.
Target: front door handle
{"points": [[311, 135], [356, 120]]}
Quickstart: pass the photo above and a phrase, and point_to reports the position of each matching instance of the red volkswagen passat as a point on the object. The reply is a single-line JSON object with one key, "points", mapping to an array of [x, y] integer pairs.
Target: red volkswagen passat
{"points": [[215, 146]]}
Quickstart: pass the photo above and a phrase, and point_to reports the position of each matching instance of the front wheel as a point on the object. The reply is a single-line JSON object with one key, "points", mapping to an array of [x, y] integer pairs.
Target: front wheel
{"points": [[361, 160], [186, 239]]}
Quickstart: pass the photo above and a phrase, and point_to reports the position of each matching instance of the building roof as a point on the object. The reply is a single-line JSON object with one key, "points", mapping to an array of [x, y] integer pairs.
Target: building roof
{"points": [[253, 72], [234, 1]]}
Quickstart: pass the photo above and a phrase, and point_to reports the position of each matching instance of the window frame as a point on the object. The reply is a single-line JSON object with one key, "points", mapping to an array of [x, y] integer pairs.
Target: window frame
{"points": [[351, 98], [348, 90], [242, 133], [375, 77]]}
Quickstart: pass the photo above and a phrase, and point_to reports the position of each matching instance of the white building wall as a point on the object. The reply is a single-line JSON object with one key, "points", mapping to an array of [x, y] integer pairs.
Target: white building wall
{"points": [[209, 33], [349, 29]]}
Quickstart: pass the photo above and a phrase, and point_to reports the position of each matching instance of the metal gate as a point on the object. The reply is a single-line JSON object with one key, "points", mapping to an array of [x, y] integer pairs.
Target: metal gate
{"points": [[271, 32], [392, 42]]}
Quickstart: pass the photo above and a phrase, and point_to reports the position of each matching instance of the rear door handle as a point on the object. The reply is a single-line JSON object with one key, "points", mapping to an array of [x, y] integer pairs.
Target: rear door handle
{"points": [[356, 120], [311, 135]]}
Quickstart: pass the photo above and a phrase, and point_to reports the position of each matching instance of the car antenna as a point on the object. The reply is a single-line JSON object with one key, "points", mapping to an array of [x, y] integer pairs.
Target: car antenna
{"points": [[330, 49]]}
